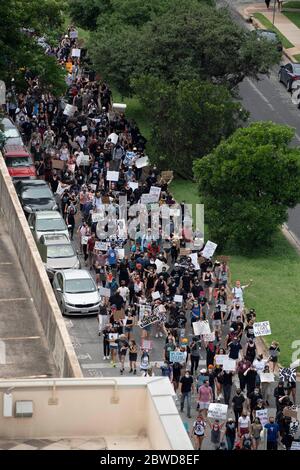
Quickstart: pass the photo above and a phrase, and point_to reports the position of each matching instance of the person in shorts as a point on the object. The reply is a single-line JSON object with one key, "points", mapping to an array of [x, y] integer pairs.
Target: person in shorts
{"points": [[205, 397], [198, 431]]}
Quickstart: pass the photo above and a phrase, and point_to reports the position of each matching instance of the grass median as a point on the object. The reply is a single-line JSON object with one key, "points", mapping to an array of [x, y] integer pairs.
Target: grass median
{"points": [[292, 4], [268, 25], [275, 292]]}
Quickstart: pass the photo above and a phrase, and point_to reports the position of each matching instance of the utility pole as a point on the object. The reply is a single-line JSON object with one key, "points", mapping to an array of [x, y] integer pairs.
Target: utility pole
{"points": [[274, 11]]}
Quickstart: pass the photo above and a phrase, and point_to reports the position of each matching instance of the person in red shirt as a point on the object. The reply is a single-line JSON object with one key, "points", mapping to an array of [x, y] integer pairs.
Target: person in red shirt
{"points": [[90, 249]]}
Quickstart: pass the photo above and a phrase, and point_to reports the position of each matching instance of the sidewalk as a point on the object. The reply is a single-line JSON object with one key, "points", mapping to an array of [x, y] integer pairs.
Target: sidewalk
{"points": [[282, 23]]}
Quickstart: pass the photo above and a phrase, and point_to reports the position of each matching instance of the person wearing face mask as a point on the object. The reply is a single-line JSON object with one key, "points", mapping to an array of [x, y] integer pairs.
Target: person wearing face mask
{"points": [[186, 389], [273, 434], [198, 431], [234, 348], [251, 379], [230, 433], [243, 424], [279, 392], [254, 397], [238, 403]]}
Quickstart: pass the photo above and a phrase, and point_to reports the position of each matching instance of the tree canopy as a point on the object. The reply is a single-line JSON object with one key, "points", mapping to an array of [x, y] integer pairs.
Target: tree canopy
{"points": [[248, 183], [176, 40], [188, 119], [19, 50]]}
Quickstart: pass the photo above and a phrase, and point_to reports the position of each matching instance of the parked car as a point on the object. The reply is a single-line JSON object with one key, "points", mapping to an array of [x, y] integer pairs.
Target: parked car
{"points": [[270, 36], [35, 195], [11, 132], [289, 73], [76, 292], [47, 222], [57, 253], [19, 162]]}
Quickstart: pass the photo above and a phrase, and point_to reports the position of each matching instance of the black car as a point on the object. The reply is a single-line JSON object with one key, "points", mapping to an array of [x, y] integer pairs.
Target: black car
{"points": [[35, 195], [288, 74], [270, 36]]}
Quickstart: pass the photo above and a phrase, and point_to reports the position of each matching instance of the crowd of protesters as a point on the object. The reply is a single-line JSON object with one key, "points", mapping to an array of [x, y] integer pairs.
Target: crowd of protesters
{"points": [[151, 286]]}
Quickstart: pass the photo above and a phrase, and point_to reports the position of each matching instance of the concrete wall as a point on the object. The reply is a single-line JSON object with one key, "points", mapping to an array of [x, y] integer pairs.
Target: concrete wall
{"points": [[53, 324], [82, 410]]}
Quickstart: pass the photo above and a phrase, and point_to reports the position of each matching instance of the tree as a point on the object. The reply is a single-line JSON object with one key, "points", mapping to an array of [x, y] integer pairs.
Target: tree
{"points": [[247, 185], [188, 40], [188, 119], [18, 50], [86, 12]]}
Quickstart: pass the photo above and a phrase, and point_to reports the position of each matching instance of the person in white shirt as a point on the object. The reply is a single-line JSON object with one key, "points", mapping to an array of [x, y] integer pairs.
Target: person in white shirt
{"points": [[238, 290], [259, 363], [124, 291], [243, 424]]}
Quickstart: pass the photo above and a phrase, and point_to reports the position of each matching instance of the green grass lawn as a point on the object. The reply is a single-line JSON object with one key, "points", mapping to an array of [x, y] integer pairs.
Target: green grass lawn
{"points": [[292, 4], [268, 25], [297, 58], [275, 291], [293, 16]]}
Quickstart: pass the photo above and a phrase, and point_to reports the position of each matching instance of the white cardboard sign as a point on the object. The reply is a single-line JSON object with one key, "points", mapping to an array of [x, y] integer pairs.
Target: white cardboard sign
{"points": [[201, 327], [113, 138], [267, 377], [229, 364], [112, 176], [76, 52], [70, 110], [209, 249], [155, 295], [141, 162], [220, 358], [97, 216], [263, 416], [262, 328], [178, 299], [102, 246], [104, 292], [209, 337], [133, 185], [217, 411]]}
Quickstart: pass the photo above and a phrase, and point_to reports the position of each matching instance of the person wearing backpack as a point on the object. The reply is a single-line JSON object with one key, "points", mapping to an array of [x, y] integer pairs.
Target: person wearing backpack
{"points": [[198, 431]]}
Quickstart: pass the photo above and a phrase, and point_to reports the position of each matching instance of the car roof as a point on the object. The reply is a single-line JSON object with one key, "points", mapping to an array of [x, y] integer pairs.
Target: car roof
{"points": [[15, 151], [59, 239], [7, 123], [29, 183], [48, 215], [69, 274]]}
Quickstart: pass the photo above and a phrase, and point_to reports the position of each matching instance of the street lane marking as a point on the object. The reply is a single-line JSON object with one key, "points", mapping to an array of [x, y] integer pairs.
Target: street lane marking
{"points": [[107, 365], [260, 93], [19, 338], [15, 299]]}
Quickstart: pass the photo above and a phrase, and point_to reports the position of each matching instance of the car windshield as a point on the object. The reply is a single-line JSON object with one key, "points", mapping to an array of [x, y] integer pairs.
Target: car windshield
{"points": [[18, 161], [38, 192], [269, 35], [79, 286], [47, 225], [11, 132], [60, 251]]}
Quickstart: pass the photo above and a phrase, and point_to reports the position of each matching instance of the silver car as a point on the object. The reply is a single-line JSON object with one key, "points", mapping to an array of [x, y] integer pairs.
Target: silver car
{"points": [[47, 222], [76, 292], [57, 253]]}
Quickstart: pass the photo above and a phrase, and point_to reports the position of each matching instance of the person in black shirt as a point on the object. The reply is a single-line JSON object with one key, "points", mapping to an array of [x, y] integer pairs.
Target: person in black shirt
{"points": [[187, 386], [238, 404], [176, 373], [227, 385]]}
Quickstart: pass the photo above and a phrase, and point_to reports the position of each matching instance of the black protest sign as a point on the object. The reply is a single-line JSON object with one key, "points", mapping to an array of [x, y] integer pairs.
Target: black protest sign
{"points": [[148, 320], [286, 373]]}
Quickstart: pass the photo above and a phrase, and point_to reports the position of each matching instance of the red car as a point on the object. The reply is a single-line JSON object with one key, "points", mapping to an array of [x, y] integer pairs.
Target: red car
{"points": [[19, 162]]}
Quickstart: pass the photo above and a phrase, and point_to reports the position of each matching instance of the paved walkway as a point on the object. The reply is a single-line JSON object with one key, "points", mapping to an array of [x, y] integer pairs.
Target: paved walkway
{"points": [[285, 26], [23, 347]]}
